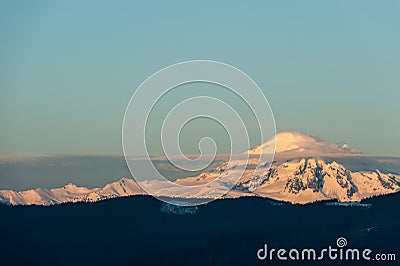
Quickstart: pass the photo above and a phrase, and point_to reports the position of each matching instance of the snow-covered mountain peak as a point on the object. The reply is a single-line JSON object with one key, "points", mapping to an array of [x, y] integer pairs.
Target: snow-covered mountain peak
{"points": [[297, 142], [299, 180], [70, 186], [308, 180], [300, 174]]}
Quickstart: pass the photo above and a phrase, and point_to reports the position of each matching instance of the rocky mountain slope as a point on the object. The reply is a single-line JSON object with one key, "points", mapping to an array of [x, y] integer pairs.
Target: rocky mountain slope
{"points": [[303, 177]]}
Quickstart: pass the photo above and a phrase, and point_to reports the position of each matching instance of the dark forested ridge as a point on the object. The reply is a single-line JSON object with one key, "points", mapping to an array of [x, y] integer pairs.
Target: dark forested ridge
{"points": [[134, 231]]}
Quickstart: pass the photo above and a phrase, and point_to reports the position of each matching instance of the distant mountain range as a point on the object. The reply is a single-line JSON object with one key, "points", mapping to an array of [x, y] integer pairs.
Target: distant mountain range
{"points": [[303, 172]]}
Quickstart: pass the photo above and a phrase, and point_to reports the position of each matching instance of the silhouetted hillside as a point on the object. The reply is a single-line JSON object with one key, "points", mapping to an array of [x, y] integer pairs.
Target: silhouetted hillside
{"points": [[134, 231]]}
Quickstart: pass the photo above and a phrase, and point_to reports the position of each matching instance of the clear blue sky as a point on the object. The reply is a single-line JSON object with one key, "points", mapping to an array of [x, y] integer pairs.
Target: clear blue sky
{"points": [[68, 68]]}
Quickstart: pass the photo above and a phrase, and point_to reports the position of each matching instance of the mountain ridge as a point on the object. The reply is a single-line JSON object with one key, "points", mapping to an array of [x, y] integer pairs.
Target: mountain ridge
{"points": [[301, 178]]}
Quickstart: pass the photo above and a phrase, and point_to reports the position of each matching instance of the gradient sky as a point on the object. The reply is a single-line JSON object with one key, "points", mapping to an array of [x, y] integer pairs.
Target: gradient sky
{"points": [[69, 68]]}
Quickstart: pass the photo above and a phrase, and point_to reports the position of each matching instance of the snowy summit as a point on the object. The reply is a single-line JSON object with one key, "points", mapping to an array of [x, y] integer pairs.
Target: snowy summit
{"points": [[298, 142], [299, 174]]}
